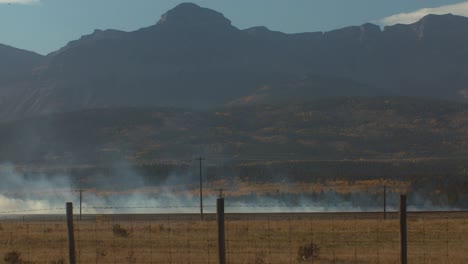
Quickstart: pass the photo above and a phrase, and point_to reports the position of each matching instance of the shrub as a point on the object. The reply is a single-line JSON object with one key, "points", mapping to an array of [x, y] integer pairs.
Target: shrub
{"points": [[308, 252], [12, 257], [57, 261], [259, 259], [131, 258], [164, 228], [119, 231]]}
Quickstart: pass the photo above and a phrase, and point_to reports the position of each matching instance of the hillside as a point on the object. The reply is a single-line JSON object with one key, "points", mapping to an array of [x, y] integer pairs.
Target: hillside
{"points": [[193, 57], [305, 89], [386, 127]]}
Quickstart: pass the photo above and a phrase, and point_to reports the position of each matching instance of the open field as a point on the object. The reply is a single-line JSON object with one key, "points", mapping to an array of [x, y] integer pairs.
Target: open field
{"points": [[434, 237]]}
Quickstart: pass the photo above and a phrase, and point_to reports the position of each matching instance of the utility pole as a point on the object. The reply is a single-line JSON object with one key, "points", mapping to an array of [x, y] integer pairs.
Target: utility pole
{"points": [[200, 159], [220, 192], [385, 202], [81, 199]]}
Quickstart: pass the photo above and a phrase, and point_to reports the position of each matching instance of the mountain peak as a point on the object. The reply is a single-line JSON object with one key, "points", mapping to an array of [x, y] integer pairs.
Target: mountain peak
{"points": [[438, 17], [194, 16], [440, 26]]}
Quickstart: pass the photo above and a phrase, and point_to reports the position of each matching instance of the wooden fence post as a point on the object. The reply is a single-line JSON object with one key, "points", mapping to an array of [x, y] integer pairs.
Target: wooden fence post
{"points": [[403, 231], [71, 236], [220, 222]]}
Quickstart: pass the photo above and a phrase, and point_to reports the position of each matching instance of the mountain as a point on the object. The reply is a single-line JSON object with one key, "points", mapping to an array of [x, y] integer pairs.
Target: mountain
{"points": [[193, 57], [15, 62], [16, 72]]}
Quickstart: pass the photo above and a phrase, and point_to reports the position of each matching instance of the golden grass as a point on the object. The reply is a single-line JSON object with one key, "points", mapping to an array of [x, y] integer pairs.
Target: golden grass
{"points": [[350, 238]]}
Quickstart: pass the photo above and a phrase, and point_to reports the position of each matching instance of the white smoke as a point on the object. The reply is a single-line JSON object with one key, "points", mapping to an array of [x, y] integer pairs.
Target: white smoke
{"points": [[128, 192], [22, 193]]}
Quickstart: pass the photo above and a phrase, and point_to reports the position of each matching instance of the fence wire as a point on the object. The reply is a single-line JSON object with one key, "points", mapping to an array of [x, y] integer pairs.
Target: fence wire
{"points": [[347, 237]]}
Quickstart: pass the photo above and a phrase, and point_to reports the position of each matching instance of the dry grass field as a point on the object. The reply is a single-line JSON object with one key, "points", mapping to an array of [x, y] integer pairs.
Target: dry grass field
{"points": [[251, 238]]}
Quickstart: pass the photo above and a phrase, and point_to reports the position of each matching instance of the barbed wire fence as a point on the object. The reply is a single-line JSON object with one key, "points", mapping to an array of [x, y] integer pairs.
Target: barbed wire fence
{"points": [[263, 231], [113, 235]]}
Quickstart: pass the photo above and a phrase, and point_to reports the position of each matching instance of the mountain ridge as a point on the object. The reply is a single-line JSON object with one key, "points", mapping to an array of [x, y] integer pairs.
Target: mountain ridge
{"points": [[193, 57]]}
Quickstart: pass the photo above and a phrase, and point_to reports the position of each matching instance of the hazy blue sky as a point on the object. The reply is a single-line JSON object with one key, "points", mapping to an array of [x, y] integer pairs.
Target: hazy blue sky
{"points": [[46, 25]]}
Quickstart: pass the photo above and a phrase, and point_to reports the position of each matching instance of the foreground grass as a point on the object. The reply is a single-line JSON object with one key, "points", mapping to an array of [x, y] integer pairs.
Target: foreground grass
{"points": [[347, 238]]}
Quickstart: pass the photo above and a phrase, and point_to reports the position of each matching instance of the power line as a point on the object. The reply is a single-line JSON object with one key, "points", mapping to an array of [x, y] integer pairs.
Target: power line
{"points": [[330, 158]]}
